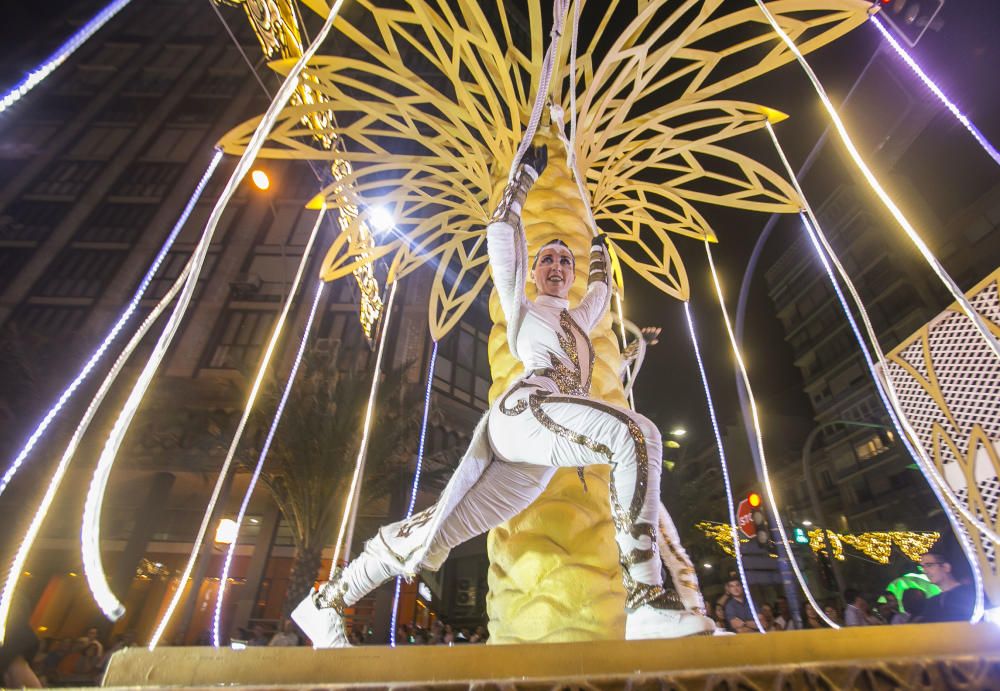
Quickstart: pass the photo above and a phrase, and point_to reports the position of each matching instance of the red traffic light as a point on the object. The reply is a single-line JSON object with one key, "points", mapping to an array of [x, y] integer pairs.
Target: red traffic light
{"points": [[753, 499]]}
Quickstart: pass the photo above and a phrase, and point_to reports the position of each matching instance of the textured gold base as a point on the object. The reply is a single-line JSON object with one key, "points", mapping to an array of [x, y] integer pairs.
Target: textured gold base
{"points": [[935, 656]]}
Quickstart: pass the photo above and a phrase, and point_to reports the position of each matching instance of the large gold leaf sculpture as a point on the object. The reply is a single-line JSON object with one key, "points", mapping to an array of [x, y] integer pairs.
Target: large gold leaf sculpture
{"points": [[431, 99]]}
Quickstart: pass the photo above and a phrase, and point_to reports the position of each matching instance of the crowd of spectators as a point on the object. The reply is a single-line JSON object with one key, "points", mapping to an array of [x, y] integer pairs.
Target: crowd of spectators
{"points": [[955, 602]]}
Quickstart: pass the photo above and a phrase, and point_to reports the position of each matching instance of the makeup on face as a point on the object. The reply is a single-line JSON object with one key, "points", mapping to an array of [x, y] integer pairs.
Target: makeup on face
{"points": [[554, 270]]}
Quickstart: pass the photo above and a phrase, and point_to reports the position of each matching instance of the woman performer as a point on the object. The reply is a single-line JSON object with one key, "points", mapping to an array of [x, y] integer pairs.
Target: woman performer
{"points": [[544, 421]]}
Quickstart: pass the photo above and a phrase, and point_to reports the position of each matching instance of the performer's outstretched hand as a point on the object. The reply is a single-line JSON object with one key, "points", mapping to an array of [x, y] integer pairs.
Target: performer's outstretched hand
{"points": [[536, 158], [651, 334]]}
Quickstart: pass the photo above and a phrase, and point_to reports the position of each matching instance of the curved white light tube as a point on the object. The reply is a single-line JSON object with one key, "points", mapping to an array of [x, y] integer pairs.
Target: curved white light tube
{"points": [[347, 520], [24, 548], [262, 457], [886, 200], [265, 361], [730, 502], [115, 330], [760, 444]]}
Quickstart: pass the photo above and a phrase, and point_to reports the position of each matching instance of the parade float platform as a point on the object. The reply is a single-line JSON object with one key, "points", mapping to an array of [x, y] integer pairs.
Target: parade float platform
{"points": [[936, 656]]}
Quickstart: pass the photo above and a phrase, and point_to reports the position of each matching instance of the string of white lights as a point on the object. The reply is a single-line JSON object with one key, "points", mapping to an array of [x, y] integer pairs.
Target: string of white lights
{"points": [[94, 514], [980, 138], [892, 400], [416, 483], [758, 439], [115, 330], [730, 501], [876, 187], [345, 536], [265, 449], [957, 528], [31, 534], [35, 77]]}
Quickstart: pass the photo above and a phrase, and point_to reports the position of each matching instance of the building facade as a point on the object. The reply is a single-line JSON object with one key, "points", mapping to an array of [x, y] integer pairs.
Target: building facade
{"points": [[96, 165]]}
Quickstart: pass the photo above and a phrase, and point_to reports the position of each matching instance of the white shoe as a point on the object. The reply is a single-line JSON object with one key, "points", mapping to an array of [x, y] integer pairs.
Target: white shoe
{"points": [[323, 625], [652, 622]]}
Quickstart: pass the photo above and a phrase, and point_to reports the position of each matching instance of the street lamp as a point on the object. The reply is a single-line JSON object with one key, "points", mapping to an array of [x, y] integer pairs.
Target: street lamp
{"points": [[260, 179], [678, 432]]}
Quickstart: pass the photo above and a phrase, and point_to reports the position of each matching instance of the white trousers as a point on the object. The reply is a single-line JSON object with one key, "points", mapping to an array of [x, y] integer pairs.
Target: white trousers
{"points": [[532, 432]]}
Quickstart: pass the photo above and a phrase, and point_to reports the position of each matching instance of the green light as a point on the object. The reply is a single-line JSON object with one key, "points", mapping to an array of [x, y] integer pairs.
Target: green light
{"points": [[800, 536]]}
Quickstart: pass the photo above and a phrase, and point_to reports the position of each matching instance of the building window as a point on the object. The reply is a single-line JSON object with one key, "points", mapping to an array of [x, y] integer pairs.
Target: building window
{"points": [[80, 273], [31, 221], [342, 329], [12, 260], [99, 143], [66, 178], [241, 339], [119, 223], [175, 144], [463, 368], [50, 320], [147, 180]]}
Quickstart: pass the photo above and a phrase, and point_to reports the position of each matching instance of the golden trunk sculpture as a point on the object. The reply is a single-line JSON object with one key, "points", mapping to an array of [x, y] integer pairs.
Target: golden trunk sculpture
{"points": [[554, 574]]}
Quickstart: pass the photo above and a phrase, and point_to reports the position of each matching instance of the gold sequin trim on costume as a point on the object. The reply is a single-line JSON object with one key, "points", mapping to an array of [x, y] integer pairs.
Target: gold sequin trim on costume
{"points": [[415, 521], [332, 593]]}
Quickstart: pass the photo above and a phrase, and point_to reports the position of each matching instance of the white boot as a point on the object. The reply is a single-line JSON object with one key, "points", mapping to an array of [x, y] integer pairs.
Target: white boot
{"points": [[323, 624], [649, 621]]}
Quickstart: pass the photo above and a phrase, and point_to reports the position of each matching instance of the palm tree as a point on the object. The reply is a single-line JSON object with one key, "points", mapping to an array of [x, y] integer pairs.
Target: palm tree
{"points": [[309, 468]]}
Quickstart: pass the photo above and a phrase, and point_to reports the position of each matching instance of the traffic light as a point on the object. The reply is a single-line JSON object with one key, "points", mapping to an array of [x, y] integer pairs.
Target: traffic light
{"points": [[759, 518], [911, 18], [800, 536]]}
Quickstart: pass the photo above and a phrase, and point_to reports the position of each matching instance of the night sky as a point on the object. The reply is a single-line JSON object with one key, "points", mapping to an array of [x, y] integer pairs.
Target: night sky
{"points": [[963, 56]]}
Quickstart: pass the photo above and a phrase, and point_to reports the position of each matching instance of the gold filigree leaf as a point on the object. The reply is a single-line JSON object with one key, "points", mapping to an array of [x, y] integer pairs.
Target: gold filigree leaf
{"points": [[649, 251], [462, 272]]}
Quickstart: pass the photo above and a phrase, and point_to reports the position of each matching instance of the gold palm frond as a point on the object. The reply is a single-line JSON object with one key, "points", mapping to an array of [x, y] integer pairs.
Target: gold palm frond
{"points": [[431, 101]]}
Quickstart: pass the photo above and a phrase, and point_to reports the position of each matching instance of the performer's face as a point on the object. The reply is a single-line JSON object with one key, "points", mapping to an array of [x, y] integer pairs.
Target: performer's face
{"points": [[554, 271]]}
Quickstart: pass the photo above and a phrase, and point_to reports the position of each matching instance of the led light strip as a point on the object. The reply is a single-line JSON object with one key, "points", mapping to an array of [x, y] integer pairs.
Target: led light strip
{"points": [[725, 468], [347, 520], [892, 402], [416, 483], [929, 83], [760, 443], [265, 449], [43, 425], [910, 231], [97, 581], [28, 541], [61, 55], [959, 530]]}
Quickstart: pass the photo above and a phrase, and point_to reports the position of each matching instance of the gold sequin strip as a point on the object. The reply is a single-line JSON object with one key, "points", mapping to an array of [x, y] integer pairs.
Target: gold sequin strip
{"points": [[535, 401], [332, 593]]}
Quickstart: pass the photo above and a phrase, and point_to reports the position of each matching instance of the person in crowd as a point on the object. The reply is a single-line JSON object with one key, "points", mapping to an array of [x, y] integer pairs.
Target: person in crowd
{"points": [[832, 613], [888, 610], [739, 619], [914, 602], [286, 636], [783, 618], [766, 616], [719, 612], [810, 618], [957, 598], [857, 611], [18, 649], [480, 635], [91, 637], [258, 637]]}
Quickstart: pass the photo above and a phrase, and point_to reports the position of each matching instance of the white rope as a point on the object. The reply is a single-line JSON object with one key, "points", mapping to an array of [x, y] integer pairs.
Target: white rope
{"points": [[345, 536], [759, 440], [873, 182], [922, 457], [559, 10]]}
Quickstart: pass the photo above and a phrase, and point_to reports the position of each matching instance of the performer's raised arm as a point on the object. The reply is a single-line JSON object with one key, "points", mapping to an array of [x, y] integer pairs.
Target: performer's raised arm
{"points": [[505, 240], [595, 302]]}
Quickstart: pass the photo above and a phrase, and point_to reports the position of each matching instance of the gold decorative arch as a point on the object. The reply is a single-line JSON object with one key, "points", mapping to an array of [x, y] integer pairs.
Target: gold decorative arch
{"points": [[431, 101]]}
